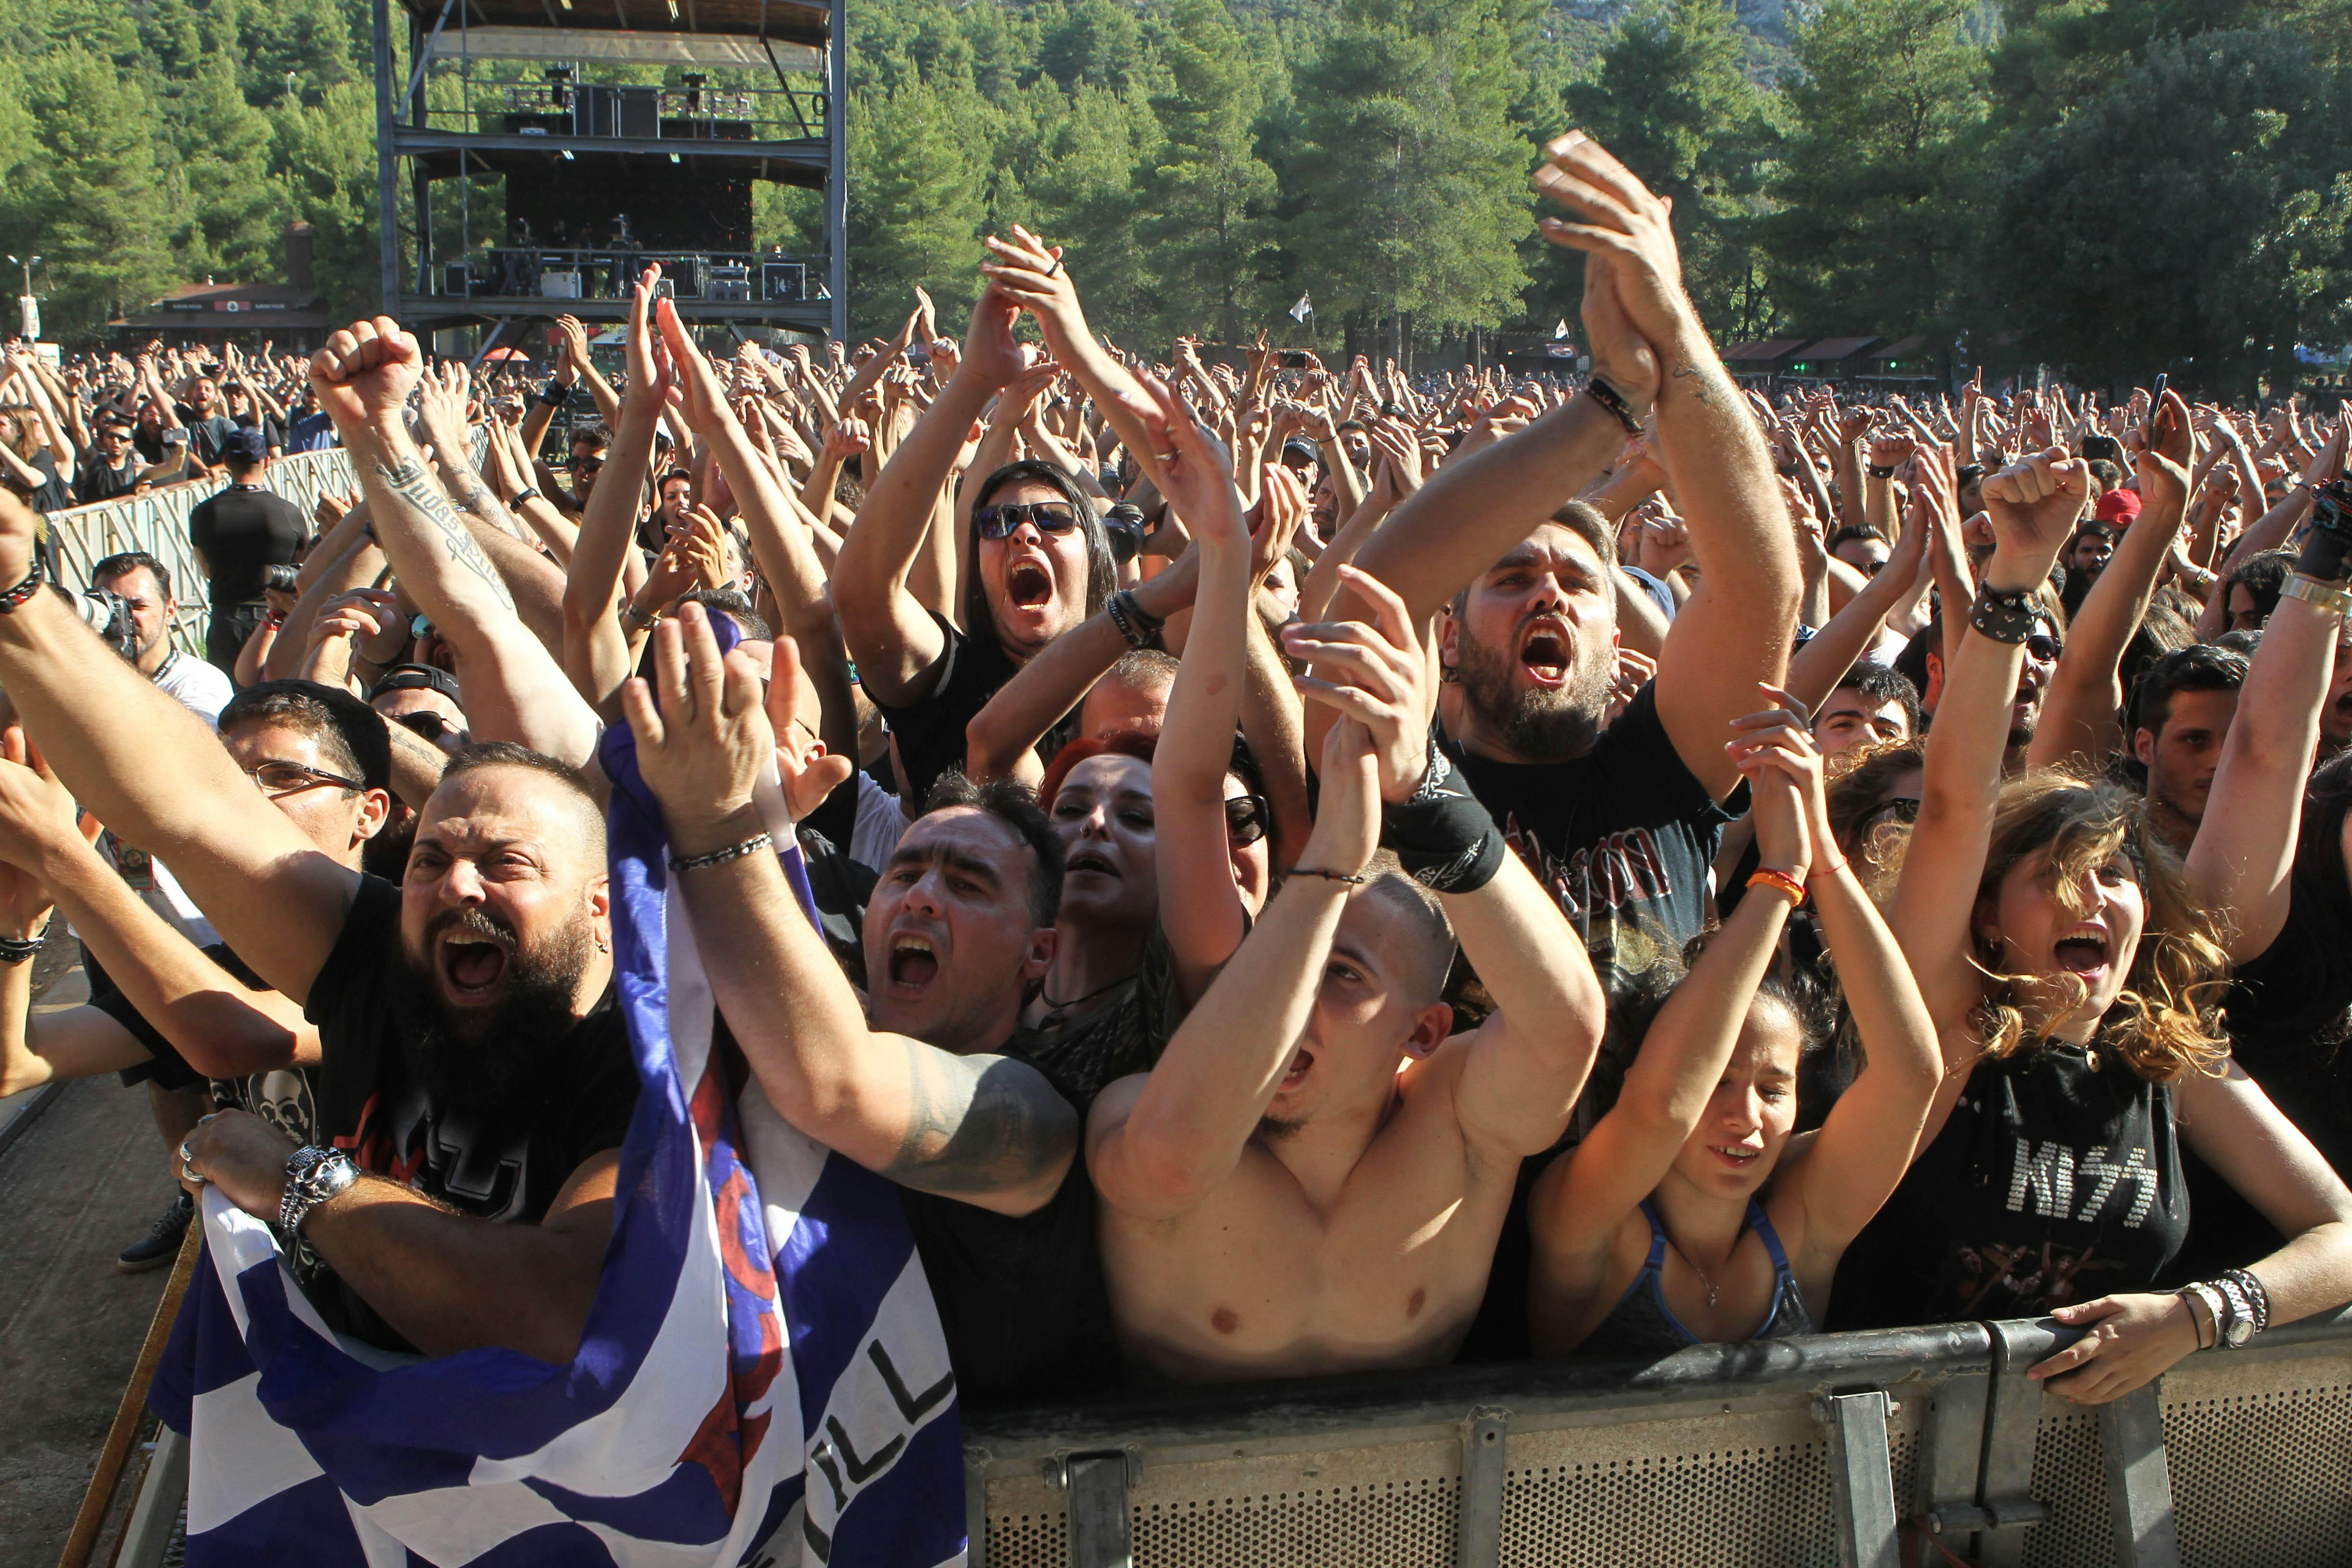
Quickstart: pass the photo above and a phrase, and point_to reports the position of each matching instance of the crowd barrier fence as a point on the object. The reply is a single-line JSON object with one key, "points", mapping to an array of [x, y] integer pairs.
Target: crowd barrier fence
{"points": [[157, 522], [1785, 1452]]}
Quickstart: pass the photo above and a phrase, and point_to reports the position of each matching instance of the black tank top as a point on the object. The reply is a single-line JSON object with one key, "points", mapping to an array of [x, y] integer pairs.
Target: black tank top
{"points": [[2055, 1181]]}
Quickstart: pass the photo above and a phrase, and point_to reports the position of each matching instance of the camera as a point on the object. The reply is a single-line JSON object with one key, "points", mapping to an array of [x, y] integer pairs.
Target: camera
{"points": [[280, 579], [109, 615], [1296, 359]]}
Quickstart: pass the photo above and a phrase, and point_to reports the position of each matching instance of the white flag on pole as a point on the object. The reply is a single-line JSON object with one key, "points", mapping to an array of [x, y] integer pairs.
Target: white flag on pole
{"points": [[1301, 311], [1561, 331]]}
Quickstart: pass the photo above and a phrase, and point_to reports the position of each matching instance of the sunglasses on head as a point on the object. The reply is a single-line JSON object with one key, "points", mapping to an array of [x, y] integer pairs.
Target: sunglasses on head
{"points": [[1247, 817], [1049, 516]]}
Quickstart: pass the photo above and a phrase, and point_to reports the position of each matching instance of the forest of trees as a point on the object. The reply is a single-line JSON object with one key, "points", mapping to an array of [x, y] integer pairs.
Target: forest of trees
{"points": [[2109, 186]]}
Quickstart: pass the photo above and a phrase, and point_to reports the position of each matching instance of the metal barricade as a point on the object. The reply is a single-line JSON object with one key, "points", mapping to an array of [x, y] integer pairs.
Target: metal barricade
{"points": [[157, 522], [1807, 1451]]}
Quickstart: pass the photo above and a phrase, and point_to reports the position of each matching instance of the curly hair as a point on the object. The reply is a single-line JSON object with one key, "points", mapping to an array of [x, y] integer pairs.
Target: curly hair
{"points": [[2166, 1022], [1860, 785]]}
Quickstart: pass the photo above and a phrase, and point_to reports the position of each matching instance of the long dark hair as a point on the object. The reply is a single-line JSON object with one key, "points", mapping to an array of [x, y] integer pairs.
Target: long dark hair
{"points": [[1102, 569]]}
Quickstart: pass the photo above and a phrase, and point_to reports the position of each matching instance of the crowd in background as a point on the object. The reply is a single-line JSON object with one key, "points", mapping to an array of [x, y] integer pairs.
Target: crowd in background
{"points": [[1295, 869]]}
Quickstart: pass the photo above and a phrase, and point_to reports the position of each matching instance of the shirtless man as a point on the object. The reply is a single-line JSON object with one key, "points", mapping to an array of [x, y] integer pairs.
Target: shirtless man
{"points": [[1314, 1177]]}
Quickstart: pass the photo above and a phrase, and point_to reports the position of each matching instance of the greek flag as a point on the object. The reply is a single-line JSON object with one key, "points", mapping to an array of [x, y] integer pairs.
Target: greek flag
{"points": [[763, 1379]]}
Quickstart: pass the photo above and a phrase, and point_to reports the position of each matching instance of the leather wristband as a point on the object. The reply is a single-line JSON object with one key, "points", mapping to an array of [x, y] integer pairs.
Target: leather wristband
{"points": [[2004, 616], [555, 395], [2329, 540], [1443, 837], [14, 599], [1137, 627], [1610, 398]]}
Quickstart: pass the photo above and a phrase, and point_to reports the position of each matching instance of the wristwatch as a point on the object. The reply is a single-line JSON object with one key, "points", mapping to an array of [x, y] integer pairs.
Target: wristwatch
{"points": [[313, 1177]]}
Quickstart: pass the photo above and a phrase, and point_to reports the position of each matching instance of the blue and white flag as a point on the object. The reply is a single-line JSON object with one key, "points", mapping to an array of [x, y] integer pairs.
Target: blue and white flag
{"points": [[762, 1380]]}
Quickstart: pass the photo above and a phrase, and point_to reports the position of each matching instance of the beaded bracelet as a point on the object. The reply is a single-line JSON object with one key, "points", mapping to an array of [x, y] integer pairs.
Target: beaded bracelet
{"points": [[750, 845]]}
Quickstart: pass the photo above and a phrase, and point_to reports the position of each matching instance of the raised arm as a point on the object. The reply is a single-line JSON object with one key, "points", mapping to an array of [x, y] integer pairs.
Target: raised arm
{"points": [[155, 773], [2032, 506], [2079, 718], [1575, 1213], [1817, 666], [1201, 908], [515, 689], [596, 648], [982, 1128], [1859, 1156], [1157, 1145], [891, 637], [2244, 851], [1737, 628]]}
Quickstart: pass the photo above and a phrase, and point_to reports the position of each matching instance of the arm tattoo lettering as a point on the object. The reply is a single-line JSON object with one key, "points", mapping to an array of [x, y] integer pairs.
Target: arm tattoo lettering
{"points": [[408, 479], [978, 1125]]}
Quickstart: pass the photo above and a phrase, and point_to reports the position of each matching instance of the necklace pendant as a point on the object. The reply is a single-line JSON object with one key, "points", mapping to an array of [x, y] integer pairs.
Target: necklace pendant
{"points": [[1712, 1292]]}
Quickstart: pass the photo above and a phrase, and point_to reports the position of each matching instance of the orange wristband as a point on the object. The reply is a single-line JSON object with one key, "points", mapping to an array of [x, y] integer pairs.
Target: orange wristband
{"points": [[1779, 882]]}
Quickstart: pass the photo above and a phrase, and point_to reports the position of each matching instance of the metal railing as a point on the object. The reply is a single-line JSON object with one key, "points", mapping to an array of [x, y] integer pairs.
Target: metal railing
{"points": [[1819, 1450], [157, 522]]}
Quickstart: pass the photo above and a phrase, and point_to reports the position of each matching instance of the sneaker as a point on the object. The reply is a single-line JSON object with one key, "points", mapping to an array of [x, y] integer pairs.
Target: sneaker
{"points": [[162, 1243]]}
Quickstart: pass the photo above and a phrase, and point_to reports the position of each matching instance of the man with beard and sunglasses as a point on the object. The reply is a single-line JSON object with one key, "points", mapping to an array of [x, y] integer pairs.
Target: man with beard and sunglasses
{"points": [[475, 1081], [1619, 823]]}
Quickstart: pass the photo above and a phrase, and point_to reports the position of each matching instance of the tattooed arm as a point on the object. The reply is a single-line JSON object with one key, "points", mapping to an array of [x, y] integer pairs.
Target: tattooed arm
{"points": [[515, 689], [981, 1128]]}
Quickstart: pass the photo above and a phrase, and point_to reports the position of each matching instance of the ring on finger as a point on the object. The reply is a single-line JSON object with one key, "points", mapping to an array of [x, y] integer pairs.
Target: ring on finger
{"points": [[188, 1171]]}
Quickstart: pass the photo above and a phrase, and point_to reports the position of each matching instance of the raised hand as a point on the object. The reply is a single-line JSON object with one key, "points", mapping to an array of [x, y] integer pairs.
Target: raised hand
{"points": [[1775, 751], [1348, 813], [703, 747], [1195, 474], [1623, 220], [809, 772], [365, 373], [694, 386], [1377, 675], [2032, 505], [1274, 522], [2164, 462]]}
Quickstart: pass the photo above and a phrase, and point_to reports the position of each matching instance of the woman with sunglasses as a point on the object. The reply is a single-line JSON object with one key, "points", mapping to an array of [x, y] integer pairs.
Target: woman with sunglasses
{"points": [[2073, 980], [1039, 566]]}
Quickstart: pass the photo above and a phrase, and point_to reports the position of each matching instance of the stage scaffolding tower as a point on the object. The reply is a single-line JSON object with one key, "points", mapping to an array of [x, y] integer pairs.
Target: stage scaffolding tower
{"points": [[617, 132]]}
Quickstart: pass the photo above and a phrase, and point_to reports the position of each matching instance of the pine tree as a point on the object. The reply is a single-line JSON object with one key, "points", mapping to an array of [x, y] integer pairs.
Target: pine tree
{"points": [[1084, 195], [915, 210], [1405, 188], [1208, 194], [1669, 98], [88, 198], [1882, 183]]}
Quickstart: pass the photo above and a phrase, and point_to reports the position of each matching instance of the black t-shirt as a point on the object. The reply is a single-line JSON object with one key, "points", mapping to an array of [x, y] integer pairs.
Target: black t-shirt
{"points": [[1622, 836], [94, 481], [53, 494], [1022, 1301], [2055, 1182], [241, 530], [373, 1105], [2289, 1014], [930, 729]]}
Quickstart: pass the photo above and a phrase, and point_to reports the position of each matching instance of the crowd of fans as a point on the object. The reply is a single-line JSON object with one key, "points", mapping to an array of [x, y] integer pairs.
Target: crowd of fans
{"points": [[1318, 870]]}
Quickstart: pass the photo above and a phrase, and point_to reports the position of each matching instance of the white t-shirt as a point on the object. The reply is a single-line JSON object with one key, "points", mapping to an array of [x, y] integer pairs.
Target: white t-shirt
{"points": [[880, 821], [200, 687]]}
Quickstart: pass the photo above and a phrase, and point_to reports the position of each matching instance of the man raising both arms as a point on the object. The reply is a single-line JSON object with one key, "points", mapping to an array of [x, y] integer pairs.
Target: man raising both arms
{"points": [[1618, 824], [1314, 1177]]}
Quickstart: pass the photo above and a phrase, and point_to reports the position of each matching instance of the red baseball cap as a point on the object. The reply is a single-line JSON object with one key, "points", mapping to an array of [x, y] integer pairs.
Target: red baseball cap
{"points": [[2119, 507]]}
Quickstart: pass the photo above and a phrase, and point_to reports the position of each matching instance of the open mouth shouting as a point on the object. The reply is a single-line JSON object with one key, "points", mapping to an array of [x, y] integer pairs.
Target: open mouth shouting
{"points": [[1544, 652], [2087, 952], [1300, 1065], [471, 957], [1028, 585], [914, 964]]}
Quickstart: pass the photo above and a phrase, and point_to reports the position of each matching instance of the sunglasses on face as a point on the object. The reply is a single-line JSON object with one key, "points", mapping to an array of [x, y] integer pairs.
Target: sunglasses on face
{"points": [[2043, 647], [425, 722], [289, 778], [1247, 817], [1049, 516]]}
